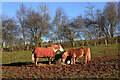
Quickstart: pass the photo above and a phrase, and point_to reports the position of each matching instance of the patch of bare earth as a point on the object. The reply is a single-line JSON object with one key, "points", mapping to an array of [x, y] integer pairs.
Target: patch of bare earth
{"points": [[99, 67]]}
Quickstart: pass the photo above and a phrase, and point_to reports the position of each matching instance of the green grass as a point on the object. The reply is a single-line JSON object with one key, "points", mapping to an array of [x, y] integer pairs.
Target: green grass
{"points": [[102, 50], [17, 56], [25, 56]]}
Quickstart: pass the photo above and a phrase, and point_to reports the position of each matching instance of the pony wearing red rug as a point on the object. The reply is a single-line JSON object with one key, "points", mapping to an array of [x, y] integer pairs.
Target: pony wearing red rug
{"points": [[42, 52], [76, 53]]}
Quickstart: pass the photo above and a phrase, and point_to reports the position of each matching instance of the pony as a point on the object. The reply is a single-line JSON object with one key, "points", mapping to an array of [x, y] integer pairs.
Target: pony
{"points": [[76, 53], [42, 52]]}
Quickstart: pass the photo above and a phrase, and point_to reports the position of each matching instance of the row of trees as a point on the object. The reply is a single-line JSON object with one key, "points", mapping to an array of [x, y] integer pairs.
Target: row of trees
{"points": [[33, 27]]}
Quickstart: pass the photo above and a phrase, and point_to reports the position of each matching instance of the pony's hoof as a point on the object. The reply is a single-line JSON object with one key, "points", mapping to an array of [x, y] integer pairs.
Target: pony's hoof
{"points": [[75, 64]]}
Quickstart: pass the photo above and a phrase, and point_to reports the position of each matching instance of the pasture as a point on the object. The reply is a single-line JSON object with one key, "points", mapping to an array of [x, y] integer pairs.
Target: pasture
{"points": [[104, 64]]}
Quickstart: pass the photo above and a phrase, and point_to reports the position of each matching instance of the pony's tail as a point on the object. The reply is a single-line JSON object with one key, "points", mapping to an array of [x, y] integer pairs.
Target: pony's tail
{"points": [[89, 55], [33, 56]]}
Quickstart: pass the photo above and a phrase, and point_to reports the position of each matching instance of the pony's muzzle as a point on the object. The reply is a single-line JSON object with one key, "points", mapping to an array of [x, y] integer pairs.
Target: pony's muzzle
{"points": [[63, 60]]}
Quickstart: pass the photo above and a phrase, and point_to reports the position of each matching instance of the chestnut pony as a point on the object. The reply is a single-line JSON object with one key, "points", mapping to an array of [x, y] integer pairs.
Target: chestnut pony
{"points": [[75, 53], [43, 52]]}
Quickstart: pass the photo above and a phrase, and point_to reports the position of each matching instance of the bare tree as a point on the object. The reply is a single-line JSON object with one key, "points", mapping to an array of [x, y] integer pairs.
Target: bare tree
{"points": [[108, 21], [20, 14], [9, 31], [45, 23], [33, 25], [111, 15], [118, 28], [59, 21], [37, 24], [1, 41], [72, 29], [90, 18], [30, 25], [93, 27], [105, 22]]}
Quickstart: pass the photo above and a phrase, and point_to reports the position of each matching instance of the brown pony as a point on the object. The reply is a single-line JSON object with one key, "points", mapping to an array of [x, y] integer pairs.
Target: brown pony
{"points": [[75, 53], [43, 52]]}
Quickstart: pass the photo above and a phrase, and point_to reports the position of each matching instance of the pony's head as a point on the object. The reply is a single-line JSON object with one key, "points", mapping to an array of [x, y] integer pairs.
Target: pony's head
{"points": [[57, 47], [64, 56]]}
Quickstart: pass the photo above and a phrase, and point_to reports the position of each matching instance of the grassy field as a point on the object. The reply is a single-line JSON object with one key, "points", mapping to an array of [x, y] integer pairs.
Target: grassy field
{"points": [[104, 64], [25, 56]]}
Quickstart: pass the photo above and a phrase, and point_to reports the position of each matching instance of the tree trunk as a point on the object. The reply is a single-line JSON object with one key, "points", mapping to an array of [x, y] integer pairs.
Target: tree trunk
{"points": [[36, 38], [27, 48], [106, 42], [116, 41], [12, 49], [72, 43], [2, 42], [23, 34], [43, 37], [94, 42], [1, 47], [111, 30], [31, 39]]}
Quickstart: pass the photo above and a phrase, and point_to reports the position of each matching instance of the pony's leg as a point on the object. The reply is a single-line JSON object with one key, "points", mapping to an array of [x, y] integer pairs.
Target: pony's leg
{"points": [[76, 59], [33, 58], [74, 56], [50, 60], [89, 57], [73, 60], [36, 59], [85, 59]]}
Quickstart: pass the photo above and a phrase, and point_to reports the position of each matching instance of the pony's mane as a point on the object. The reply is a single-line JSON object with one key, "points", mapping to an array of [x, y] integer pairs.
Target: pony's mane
{"points": [[55, 46]]}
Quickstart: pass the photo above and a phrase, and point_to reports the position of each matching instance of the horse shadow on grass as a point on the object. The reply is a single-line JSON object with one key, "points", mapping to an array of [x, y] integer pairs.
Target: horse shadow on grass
{"points": [[18, 64], [29, 64]]}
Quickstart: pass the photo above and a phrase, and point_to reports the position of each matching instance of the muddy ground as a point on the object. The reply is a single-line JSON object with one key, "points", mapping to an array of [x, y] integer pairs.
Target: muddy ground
{"points": [[99, 67]]}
